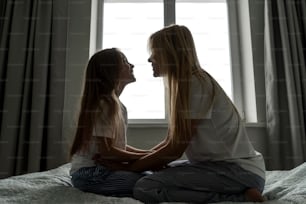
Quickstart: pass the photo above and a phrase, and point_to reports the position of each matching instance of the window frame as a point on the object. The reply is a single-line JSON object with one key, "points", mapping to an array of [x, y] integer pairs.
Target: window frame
{"points": [[169, 18]]}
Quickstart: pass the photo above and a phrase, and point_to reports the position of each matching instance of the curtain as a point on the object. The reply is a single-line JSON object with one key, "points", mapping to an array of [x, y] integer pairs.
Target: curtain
{"points": [[285, 78], [32, 80]]}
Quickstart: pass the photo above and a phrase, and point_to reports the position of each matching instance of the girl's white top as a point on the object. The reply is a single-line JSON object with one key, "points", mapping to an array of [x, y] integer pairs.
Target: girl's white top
{"points": [[102, 128], [221, 134]]}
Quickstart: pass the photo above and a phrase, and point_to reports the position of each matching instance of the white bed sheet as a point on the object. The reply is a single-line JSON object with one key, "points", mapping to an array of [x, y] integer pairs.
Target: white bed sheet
{"points": [[54, 186]]}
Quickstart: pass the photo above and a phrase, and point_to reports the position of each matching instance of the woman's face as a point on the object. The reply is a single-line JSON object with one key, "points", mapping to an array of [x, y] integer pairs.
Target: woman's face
{"points": [[155, 65], [126, 74]]}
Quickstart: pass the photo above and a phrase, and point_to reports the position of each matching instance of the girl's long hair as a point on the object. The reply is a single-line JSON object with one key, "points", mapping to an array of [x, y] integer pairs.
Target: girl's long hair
{"points": [[174, 50], [101, 81]]}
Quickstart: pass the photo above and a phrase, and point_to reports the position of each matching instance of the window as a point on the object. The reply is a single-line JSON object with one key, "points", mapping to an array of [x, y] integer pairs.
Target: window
{"points": [[128, 25], [208, 23]]}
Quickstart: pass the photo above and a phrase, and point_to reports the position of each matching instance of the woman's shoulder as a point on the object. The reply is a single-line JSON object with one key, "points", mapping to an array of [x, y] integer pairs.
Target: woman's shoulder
{"points": [[202, 84]]}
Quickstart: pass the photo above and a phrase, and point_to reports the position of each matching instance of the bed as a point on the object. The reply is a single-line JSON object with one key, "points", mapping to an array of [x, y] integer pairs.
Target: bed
{"points": [[54, 186]]}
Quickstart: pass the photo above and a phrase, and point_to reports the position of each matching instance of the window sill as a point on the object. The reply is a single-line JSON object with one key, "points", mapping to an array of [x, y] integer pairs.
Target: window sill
{"points": [[258, 124], [164, 124], [148, 123]]}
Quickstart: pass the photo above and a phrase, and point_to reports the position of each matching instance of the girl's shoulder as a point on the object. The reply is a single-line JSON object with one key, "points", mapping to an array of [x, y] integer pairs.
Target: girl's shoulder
{"points": [[103, 109]]}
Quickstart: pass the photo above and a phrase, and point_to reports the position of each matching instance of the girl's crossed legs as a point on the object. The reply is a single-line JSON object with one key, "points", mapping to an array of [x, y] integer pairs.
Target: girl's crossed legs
{"points": [[100, 180]]}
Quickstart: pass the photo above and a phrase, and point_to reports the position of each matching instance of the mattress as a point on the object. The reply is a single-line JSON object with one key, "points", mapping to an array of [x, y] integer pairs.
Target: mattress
{"points": [[54, 186]]}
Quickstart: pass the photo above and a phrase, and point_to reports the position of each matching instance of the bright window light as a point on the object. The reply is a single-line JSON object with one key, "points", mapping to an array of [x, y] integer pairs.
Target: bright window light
{"points": [[208, 23], [128, 26]]}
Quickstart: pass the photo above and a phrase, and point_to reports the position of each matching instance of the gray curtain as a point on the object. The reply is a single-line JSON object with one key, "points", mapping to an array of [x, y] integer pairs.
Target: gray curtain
{"points": [[32, 73], [285, 55]]}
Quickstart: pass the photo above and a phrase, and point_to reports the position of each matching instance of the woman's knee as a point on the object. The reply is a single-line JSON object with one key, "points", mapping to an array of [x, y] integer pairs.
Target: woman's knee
{"points": [[143, 185], [146, 189]]}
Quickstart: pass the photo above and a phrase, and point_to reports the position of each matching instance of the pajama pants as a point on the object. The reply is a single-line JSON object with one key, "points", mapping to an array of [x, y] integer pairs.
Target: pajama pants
{"points": [[101, 180], [205, 182]]}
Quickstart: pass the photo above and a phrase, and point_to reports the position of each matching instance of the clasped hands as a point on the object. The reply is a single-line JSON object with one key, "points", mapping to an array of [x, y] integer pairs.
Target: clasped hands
{"points": [[116, 165]]}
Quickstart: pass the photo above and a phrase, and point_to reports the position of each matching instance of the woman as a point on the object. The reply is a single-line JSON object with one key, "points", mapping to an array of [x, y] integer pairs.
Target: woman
{"points": [[204, 124], [101, 130]]}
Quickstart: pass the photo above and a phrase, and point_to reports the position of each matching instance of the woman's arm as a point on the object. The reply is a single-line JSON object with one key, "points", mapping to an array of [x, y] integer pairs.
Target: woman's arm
{"points": [[161, 144], [158, 146], [159, 158], [166, 152], [136, 150]]}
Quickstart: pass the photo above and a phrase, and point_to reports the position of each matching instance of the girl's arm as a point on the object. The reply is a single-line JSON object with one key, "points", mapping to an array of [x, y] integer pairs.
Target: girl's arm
{"points": [[153, 161], [113, 154], [166, 152]]}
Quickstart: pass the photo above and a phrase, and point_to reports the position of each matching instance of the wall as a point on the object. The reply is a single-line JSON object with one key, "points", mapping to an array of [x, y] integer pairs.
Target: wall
{"points": [[77, 56], [256, 10]]}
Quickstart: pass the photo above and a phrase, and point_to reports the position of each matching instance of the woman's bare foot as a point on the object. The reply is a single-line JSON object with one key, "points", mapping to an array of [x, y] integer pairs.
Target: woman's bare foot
{"points": [[253, 195]]}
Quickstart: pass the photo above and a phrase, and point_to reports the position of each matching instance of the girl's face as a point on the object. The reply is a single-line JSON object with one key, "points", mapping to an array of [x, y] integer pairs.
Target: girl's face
{"points": [[155, 65], [126, 74]]}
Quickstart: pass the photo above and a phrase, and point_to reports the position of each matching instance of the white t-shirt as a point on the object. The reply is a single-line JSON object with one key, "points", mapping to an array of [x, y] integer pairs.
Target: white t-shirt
{"points": [[102, 128], [221, 134]]}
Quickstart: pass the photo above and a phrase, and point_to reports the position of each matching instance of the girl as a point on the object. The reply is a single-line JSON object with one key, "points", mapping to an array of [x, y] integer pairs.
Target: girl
{"points": [[204, 124], [101, 130]]}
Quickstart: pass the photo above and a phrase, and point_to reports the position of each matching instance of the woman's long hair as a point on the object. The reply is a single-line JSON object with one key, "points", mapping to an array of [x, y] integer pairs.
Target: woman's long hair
{"points": [[101, 83], [174, 50]]}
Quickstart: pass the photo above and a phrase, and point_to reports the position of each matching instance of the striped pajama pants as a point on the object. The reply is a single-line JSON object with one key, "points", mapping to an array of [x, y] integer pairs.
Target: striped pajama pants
{"points": [[101, 180]]}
